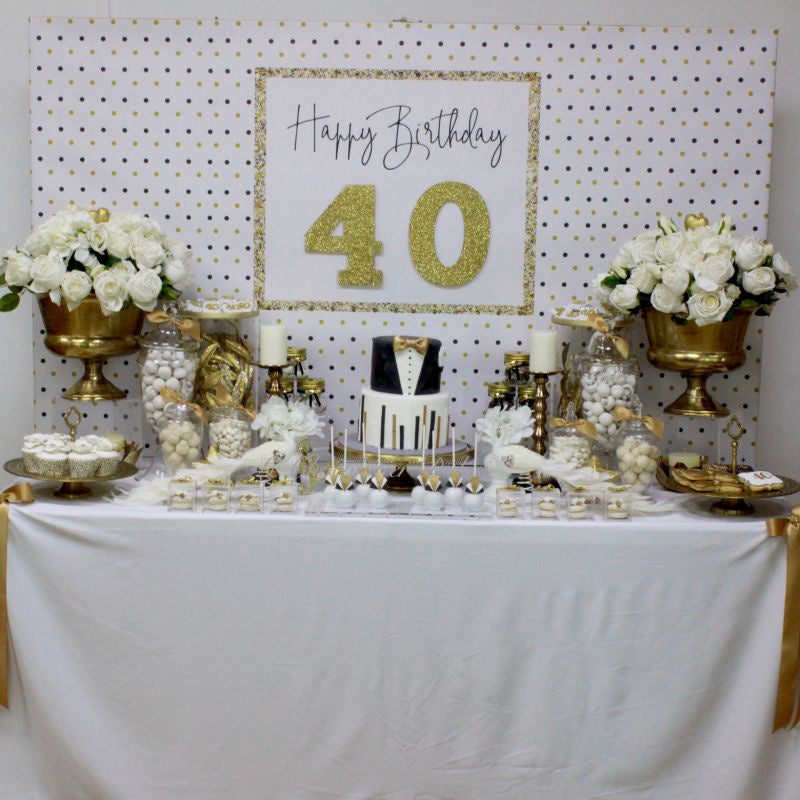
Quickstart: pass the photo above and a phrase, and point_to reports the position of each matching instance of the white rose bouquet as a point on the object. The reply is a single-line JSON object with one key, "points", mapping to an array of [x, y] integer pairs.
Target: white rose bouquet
{"points": [[119, 258], [702, 275]]}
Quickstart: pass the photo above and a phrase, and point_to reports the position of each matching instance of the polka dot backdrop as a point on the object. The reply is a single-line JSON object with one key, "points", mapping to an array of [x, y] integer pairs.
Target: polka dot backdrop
{"points": [[158, 116]]}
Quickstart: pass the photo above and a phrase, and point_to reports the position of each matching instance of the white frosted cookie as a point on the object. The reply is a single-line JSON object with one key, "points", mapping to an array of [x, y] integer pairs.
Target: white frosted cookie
{"points": [[760, 481]]}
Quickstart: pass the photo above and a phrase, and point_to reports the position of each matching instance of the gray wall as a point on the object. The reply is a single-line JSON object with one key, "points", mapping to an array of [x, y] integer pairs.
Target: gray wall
{"points": [[781, 368]]}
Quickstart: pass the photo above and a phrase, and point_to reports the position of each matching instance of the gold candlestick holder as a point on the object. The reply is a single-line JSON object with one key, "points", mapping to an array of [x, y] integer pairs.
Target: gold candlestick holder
{"points": [[273, 386], [541, 393]]}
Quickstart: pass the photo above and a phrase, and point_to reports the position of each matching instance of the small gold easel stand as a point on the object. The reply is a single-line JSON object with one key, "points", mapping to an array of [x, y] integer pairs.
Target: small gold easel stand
{"points": [[733, 506]]}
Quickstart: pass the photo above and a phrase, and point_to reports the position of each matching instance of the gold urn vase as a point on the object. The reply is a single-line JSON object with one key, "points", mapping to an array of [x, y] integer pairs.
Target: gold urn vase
{"points": [[696, 352], [88, 334]]}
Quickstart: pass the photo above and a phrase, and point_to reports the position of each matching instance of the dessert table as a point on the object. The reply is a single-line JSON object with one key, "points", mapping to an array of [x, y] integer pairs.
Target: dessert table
{"points": [[175, 655]]}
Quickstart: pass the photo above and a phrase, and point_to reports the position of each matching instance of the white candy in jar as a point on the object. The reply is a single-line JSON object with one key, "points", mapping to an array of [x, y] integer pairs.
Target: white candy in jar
{"points": [[230, 436], [180, 443], [574, 450], [604, 389], [165, 367], [637, 461]]}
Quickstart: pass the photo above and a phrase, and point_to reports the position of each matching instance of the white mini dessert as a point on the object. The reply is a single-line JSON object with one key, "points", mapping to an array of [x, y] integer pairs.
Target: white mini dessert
{"points": [[363, 487], [82, 465], [249, 501], [182, 501], [379, 497], [454, 493], [578, 508], [617, 508], [52, 464], [284, 502], [546, 507], [418, 492], [433, 498], [474, 495], [507, 507], [217, 500]]}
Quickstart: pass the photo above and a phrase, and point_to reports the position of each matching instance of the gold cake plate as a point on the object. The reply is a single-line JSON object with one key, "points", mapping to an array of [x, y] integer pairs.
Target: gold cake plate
{"points": [[727, 504], [71, 488]]}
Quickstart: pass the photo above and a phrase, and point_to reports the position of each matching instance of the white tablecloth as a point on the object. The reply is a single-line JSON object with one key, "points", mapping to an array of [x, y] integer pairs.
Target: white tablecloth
{"points": [[204, 657]]}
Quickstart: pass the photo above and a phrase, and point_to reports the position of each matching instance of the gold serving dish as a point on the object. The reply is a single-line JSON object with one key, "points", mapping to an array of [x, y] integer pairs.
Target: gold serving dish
{"points": [[726, 504], [71, 488]]}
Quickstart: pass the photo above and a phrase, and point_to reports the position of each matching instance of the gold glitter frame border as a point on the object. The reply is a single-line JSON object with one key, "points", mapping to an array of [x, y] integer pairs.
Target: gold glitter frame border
{"points": [[262, 74]]}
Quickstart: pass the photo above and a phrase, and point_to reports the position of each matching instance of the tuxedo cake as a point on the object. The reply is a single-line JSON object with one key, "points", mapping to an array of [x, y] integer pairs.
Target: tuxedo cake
{"points": [[404, 400]]}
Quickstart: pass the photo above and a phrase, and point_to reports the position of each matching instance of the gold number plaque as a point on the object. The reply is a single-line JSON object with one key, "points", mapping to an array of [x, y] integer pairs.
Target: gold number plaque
{"points": [[422, 229], [354, 208]]}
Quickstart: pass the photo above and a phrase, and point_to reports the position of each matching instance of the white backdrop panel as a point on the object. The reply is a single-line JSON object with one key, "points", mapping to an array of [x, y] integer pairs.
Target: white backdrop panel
{"points": [[158, 115]]}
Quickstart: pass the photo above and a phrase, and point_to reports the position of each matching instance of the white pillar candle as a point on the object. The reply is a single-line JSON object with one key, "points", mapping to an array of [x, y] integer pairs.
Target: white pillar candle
{"points": [[544, 351], [272, 345]]}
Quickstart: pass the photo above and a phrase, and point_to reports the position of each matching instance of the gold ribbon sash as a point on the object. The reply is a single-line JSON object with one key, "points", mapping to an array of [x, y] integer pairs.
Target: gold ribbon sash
{"points": [[171, 396], [789, 671], [18, 493], [189, 327], [656, 426], [594, 320], [581, 425], [400, 343]]}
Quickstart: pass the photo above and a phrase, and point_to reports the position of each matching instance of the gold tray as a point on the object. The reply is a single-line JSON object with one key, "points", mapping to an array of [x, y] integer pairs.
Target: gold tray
{"points": [[728, 505], [71, 488]]}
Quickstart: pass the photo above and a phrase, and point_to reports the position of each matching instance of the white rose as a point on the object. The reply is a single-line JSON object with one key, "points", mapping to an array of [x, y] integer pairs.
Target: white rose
{"points": [[784, 271], [111, 290], [144, 288], [118, 242], [675, 278], [47, 272], [624, 296], [126, 269], [97, 236], [642, 248], [758, 280], [706, 308], [643, 279], [732, 290], [179, 251], [689, 260], [669, 247], [36, 244], [75, 287], [712, 244], [18, 268], [179, 274], [146, 253], [713, 273], [750, 253], [662, 299]]}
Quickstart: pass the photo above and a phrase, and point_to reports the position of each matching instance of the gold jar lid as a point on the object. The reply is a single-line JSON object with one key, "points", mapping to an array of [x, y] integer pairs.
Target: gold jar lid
{"points": [[311, 385], [218, 482], [499, 389], [287, 383], [295, 355], [526, 393], [516, 359]]}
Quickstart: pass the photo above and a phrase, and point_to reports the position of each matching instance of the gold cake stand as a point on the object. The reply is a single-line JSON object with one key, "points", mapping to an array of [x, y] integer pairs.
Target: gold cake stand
{"points": [[727, 504], [71, 488]]}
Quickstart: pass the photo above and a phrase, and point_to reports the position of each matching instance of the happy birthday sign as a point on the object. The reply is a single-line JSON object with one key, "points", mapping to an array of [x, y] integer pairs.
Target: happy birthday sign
{"points": [[402, 191]]}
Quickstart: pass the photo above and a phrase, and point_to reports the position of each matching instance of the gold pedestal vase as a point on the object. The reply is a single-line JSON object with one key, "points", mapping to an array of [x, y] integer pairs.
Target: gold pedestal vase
{"points": [[88, 334], [696, 352]]}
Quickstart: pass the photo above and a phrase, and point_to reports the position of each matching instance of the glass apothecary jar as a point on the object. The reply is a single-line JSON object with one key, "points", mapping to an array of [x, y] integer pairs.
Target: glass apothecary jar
{"points": [[517, 368], [167, 360], [180, 436], [312, 390], [607, 381], [500, 395], [295, 357], [570, 441], [637, 449], [229, 431]]}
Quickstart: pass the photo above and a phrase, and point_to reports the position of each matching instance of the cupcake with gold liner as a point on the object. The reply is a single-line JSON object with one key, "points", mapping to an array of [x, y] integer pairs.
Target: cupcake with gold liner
{"points": [[82, 460], [53, 463], [108, 455]]}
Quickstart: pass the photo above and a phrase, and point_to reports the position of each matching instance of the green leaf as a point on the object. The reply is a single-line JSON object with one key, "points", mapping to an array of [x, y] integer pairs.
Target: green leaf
{"points": [[763, 311], [610, 281], [8, 302], [679, 320], [169, 292]]}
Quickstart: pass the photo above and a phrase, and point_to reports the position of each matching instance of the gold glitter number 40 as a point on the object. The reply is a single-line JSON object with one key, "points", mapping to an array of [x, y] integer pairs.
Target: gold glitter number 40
{"points": [[422, 230], [354, 208]]}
